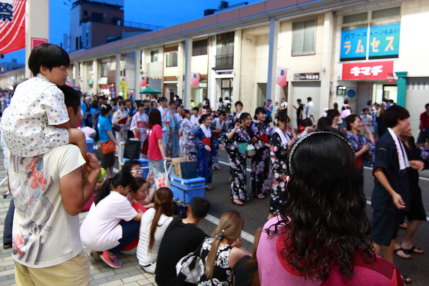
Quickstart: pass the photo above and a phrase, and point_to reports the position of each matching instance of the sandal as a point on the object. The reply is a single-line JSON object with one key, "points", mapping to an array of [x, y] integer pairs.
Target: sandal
{"points": [[402, 254], [413, 250], [237, 202], [407, 279]]}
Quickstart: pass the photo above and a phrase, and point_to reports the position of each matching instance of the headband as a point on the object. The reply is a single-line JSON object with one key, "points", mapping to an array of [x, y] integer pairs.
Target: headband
{"points": [[311, 135]]}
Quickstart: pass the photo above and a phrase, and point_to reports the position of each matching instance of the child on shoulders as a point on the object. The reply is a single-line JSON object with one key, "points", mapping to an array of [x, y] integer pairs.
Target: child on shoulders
{"points": [[36, 120]]}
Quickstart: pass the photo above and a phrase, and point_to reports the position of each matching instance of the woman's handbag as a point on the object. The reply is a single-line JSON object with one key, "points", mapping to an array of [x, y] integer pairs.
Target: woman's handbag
{"points": [[107, 147], [145, 147], [242, 147], [190, 268]]}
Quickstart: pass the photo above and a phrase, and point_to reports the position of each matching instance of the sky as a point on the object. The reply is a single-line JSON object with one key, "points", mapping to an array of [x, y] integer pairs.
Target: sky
{"points": [[159, 12]]}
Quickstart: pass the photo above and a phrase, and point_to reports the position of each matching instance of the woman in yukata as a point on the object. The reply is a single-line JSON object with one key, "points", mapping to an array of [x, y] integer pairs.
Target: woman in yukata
{"points": [[204, 144], [139, 122], [186, 133], [282, 139], [261, 132], [219, 129], [237, 142]]}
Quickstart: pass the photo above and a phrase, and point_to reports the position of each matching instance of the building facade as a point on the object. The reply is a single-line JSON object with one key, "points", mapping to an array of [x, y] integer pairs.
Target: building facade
{"points": [[331, 50]]}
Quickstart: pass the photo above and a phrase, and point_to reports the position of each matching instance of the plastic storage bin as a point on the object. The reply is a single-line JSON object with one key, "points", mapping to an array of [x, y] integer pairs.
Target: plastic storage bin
{"points": [[90, 145], [144, 164], [186, 189]]}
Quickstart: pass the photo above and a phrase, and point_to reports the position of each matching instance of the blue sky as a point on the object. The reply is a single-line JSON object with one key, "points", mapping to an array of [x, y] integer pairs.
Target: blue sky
{"points": [[159, 12]]}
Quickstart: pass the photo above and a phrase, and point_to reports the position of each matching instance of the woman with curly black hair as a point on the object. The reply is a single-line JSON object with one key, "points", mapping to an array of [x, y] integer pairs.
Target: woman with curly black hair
{"points": [[321, 236]]}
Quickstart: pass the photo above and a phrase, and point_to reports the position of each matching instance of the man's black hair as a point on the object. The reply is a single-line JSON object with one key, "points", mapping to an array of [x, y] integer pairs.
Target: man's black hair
{"points": [[162, 99], [47, 55], [199, 207], [71, 97], [393, 114]]}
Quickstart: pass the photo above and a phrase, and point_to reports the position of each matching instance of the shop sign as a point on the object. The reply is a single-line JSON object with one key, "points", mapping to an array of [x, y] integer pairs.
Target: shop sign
{"points": [[383, 42], [306, 76], [367, 71]]}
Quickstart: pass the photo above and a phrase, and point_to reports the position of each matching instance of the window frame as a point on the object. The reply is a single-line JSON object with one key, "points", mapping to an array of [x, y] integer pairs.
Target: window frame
{"points": [[169, 59], [154, 56], [294, 35]]}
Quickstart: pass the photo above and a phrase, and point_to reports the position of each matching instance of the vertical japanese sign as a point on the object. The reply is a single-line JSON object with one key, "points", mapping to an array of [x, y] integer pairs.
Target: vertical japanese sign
{"points": [[354, 44], [382, 42], [12, 25]]}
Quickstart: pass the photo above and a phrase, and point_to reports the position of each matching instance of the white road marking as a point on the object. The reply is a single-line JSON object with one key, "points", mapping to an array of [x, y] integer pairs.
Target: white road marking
{"points": [[245, 235]]}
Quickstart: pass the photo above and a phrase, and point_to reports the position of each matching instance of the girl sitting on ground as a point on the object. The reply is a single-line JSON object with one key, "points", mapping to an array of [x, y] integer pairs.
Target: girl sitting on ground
{"points": [[222, 252], [133, 166], [102, 230], [153, 226]]}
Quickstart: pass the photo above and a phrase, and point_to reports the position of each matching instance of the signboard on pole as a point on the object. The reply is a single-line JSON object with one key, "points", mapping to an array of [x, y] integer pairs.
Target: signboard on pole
{"points": [[12, 25]]}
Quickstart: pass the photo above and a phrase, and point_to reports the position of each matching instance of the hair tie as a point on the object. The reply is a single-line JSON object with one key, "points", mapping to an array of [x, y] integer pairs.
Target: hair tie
{"points": [[220, 235], [310, 135]]}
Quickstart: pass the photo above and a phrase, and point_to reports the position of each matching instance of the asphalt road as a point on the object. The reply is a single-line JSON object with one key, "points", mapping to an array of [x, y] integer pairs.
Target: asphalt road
{"points": [[255, 214]]}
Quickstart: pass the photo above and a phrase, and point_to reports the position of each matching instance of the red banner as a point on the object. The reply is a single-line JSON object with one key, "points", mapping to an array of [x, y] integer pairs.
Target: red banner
{"points": [[368, 71], [12, 25]]}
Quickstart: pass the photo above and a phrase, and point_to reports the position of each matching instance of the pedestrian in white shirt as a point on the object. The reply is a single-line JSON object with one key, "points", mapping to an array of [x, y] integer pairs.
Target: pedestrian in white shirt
{"points": [[152, 228], [112, 223], [195, 117], [120, 118]]}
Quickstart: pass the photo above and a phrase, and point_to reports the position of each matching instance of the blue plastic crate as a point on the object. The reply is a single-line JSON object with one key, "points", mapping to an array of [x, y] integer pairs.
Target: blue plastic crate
{"points": [[90, 145], [144, 164], [185, 194], [189, 183]]}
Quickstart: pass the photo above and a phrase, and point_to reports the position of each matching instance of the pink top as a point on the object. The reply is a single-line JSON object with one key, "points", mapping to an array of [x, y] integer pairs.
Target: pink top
{"points": [[153, 152], [274, 269]]}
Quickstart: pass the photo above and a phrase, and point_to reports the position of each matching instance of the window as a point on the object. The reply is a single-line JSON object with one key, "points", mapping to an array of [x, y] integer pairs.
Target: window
{"points": [[171, 59], [386, 13], [104, 67], [154, 56], [304, 34], [225, 51], [199, 48], [355, 18]]}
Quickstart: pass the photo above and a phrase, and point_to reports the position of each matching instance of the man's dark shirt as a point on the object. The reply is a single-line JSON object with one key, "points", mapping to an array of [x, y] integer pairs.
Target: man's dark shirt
{"points": [[179, 239]]}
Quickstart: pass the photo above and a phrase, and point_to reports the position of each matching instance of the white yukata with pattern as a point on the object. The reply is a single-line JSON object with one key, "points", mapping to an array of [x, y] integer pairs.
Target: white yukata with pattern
{"points": [[28, 123]]}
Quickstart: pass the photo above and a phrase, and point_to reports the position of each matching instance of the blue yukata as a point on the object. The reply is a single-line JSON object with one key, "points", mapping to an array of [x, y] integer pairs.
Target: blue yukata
{"points": [[219, 130], [202, 137]]}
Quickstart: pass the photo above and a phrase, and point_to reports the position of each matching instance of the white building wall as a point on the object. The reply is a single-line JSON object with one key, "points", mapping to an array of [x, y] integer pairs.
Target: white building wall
{"points": [[413, 50], [254, 65], [301, 64]]}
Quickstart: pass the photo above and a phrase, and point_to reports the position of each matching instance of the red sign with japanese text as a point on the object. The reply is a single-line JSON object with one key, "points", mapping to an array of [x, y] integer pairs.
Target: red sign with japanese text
{"points": [[12, 26], [368, 71]]}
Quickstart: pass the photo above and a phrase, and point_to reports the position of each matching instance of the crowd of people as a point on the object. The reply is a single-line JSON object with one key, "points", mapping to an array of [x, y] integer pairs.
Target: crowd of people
{"points": [[317, 232]]}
